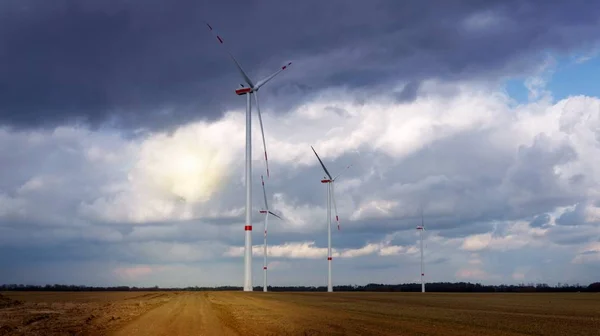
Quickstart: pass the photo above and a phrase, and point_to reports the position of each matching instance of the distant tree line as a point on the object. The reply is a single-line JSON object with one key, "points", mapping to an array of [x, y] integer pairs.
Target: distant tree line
{"points": [[440, 287]]}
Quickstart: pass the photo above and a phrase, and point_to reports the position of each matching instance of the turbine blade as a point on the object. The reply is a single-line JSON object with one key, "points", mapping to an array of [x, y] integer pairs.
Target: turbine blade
{"points": [[265, 80], [237, 64], [321, 162], [262, 132], [422, 220], [264, 193], [266, 226], [274, 214], [338, 175], [337, 218]]}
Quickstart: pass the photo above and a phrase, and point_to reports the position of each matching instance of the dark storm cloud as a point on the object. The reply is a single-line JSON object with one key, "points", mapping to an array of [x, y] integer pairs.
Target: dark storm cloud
{"points": [[480, 185], [153, 63], [409, 92], [72, 251]]}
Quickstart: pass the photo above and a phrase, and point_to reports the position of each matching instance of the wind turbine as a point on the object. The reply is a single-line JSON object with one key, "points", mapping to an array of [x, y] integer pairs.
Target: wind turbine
{"points": [[421, 229], [330, 197], [266, 212], [251, 89]]}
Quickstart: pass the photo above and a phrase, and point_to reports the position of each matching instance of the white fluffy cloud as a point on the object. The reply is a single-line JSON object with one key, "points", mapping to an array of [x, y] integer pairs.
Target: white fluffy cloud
{"points": [[171, 173], [308, 250]]}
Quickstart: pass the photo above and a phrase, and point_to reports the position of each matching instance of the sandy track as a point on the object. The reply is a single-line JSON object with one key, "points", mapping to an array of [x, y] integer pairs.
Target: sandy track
{"points": [[188, 314]]}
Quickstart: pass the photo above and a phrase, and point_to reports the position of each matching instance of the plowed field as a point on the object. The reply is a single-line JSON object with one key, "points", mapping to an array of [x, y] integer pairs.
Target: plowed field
{"points": [[238, 313]]}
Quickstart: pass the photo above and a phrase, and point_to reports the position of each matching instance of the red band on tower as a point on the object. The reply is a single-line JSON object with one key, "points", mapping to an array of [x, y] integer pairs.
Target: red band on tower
{"points": [[329, 258], [248, 228]]}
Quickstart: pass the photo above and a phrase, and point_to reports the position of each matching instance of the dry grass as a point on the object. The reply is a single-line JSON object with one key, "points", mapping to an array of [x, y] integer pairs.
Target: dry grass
{"points": [[237, 313]]}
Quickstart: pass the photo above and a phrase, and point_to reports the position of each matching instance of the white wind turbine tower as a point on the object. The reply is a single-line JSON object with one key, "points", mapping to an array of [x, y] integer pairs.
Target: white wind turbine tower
{"points": [[266, 212], [330, 197], [421, 229], [251, 89]]}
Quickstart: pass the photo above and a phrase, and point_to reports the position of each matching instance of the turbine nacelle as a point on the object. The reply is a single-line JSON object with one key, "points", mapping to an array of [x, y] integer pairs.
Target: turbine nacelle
{"points": [[243, 91], [264, 212], [254, 88]]}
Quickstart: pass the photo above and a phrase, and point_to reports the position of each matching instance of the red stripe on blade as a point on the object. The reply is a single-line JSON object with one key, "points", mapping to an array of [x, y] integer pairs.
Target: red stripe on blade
{"points": [[219, 38], [264, 267], [248, 228], [329, 258]]}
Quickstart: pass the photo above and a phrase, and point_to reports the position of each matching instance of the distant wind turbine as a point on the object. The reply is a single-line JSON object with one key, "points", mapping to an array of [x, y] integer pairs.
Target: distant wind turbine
{"points": [[251, 89], [421, 229], [266, 212], [330, 197]]}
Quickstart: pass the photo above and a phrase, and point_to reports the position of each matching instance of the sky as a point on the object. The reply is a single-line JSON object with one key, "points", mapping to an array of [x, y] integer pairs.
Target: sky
{"points": [[122, 141]]}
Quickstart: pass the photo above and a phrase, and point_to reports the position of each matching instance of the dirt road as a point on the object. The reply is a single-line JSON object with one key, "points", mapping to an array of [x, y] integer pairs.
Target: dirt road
{"points": [[187, 314]]}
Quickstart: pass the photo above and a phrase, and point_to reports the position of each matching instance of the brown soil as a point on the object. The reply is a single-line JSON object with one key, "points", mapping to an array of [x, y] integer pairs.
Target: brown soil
{"points": [[6, 302], [48, 313], [237, 313]]}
